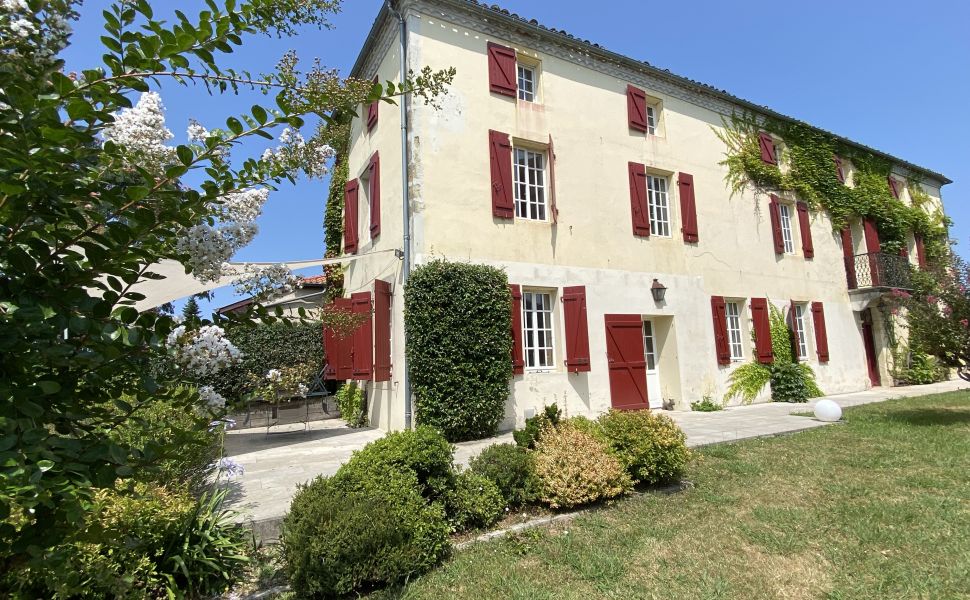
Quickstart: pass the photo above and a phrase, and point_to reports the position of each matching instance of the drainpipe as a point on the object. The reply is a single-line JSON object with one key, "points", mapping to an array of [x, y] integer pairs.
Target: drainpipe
{"points": [[405, 203]]}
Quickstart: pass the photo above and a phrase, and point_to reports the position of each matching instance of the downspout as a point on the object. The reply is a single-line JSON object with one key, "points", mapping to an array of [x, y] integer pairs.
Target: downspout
{"points": [[405, 204]]}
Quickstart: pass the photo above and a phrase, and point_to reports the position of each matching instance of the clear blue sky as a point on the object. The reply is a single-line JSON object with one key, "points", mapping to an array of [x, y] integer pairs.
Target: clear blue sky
{"points": [[889, 74]]}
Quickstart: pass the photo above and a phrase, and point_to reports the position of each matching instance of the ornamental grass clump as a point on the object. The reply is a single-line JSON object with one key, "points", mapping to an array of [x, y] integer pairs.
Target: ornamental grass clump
{"points": [[574, 468], [650, 446]]}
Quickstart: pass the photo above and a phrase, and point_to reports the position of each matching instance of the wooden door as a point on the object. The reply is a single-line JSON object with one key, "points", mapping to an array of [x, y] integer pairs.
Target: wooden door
{"points": [[627, 364], [869, 341]]}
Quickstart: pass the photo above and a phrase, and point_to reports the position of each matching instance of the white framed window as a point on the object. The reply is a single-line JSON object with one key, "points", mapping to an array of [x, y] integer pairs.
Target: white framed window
{"points": [[798, 319], [659, 206], [537, 330], [529, 183], [527, 82], [652, 111], [784, 214], [734, 330], [649, 348]]}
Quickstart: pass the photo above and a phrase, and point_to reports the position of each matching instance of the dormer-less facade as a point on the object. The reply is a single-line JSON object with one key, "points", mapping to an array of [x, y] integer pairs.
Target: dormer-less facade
{"points": [[592, 180]]}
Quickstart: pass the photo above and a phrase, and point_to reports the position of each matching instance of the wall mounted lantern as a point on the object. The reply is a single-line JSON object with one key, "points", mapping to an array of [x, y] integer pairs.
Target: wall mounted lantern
{"points": [[658, 290]]}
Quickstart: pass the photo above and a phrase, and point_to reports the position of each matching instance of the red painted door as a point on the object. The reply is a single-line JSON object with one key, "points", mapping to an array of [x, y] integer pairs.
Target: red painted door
{"points": [[627, 364], [870, 345]]}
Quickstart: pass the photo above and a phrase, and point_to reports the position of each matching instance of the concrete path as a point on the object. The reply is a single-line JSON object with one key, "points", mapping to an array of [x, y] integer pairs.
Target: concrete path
{"points": [[274, 464]]}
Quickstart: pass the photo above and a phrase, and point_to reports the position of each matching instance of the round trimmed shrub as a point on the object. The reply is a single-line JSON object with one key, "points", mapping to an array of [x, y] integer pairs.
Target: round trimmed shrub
{"points": [[474, 502], [458, 323], [422, 451], [651, 447], [360, 530], [575, 468], [527, 436], [788, 383], [510, 468]]}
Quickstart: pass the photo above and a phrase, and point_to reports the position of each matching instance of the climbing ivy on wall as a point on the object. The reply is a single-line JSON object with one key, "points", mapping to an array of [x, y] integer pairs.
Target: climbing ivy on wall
{"points": [[333, 220], [812, 176]]}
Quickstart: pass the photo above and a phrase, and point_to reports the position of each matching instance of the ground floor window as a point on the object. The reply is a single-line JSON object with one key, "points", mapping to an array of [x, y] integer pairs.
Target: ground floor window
{"points": [[649, 346], [798, 318], [734, 330], [537, 329]]}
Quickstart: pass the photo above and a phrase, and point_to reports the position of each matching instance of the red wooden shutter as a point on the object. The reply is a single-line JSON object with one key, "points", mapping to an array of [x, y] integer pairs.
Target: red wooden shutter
{"points": [[636, 108], [577, 328], [638, 199], [721, 345], [821, 336], [688, 208], [501, 70], [839, 170], [372, 111], [363, 363], [805, 226], [872, 236], [893, 186], [350, 216], [920, 252], [374, 195], [518, 361], [500, 156], [553, 209], [793, 338], [767, 145], [338, 349], [382, 330], [762, 330], [626, 361], [848, 255], [775, 215]]}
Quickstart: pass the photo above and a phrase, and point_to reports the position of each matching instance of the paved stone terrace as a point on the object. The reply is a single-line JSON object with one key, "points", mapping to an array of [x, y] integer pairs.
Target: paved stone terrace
{"points": [[276, 463]]}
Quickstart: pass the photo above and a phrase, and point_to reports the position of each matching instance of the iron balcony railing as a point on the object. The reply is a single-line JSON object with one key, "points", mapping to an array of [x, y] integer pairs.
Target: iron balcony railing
{"points": [[877, 270]]}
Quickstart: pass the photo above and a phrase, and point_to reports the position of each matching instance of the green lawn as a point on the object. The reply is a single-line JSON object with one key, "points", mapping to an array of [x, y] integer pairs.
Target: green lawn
{"points": [[875, 508]]}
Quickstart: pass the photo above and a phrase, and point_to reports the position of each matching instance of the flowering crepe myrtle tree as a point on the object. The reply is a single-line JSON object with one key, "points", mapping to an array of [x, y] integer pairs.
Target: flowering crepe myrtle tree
{"points": [[92, 195]]}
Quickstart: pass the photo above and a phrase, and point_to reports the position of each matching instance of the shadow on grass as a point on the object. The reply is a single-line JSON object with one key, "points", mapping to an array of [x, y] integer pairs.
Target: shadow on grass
{"points": [[932, 416]]}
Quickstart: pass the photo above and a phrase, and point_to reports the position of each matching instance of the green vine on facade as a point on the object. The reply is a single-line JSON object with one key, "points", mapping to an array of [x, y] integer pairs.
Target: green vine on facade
{"points": [[333, 220], [812, 176]]}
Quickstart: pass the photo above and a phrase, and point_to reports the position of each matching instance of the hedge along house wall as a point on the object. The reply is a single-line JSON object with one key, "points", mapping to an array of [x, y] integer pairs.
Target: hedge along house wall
{"points": [[457, 318], [810, 167]]}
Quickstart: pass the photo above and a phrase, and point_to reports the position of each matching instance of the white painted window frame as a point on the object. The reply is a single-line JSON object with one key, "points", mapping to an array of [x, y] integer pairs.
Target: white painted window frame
{"points": [[528, 89], [658, 204], [801, 334], [735, 336], [536, 321], [784, 218], [529, 184]]}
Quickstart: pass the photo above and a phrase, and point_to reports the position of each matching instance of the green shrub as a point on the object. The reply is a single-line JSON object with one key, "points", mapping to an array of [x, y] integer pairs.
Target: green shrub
{"points": [[574, 468], [350, 402], [788, 383], [706, 405], [527, 437], [510, 468], [457, 321], [918, 368], [474, 503], [359, 530], [423, 451], [146, 542], [650, 446]]}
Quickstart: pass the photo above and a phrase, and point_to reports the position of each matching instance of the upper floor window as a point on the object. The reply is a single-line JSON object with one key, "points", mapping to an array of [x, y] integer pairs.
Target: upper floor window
{"points": [[526, 82], [529, 183], [784, 214], [652, 113], [537, 329], [798, 322], [659, 206], [733, 314]]}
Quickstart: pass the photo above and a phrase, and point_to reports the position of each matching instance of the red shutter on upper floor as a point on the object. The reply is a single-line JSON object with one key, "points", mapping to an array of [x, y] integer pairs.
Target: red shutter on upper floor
{"points": [[721, 344], [636, 108], [805, 227], [374, 195], [821, 336], [350, 216], [363, 338], [920, 252], [688, 208], [767, 145], [893, 186], [518, 361], [762, 330], [848, 255], [577, 328], [338, 350], [382, 330], [501, 70], [372, 112], [638, 199], [839, 169], [500, 157], [871, 236], [775, 217]]}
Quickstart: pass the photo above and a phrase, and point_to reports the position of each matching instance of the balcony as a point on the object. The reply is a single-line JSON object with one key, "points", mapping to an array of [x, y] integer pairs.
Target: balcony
{"points": [[877, 270]]}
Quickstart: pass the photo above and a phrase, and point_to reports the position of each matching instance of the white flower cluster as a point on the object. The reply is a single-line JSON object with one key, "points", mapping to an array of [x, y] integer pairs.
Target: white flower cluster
{"points": [[263, 281], [302, 390], [243, 207], [34, 37], [198, 134], [274, 375], [294, 153], [141, 131], [211, 398], [204, 351]]}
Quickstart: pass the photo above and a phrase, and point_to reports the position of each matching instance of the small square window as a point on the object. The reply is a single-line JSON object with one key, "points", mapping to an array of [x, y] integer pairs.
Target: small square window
{"points": [[527, 83], [529, 183], [652, 113], [784, 212], [659, 206]]}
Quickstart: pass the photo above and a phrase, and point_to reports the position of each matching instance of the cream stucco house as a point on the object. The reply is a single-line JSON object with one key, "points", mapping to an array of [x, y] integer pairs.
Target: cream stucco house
{"points": [[589, 212]]}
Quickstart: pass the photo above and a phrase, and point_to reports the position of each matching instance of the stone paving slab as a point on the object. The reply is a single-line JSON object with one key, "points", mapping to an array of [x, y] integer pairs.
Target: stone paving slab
{"points": [[274, 464]]}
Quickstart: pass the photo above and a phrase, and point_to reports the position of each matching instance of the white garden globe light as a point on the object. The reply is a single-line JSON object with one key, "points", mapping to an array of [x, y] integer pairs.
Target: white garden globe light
{"points": [[828, 411]]}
